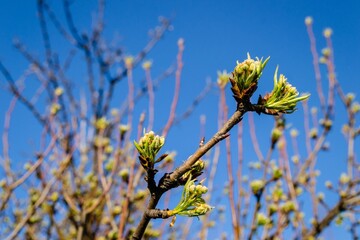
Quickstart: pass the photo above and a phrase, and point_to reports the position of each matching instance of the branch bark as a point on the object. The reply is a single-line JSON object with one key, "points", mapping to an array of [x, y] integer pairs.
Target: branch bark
{"points": [[171, 180], [330, 216]]}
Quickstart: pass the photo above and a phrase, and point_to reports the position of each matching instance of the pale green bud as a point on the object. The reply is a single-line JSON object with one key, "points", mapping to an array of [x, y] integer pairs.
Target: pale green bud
{"points": [[283, 98], [147, 65], [223, 78], [59, 91], [308, 20], [313, 133], [124, 174], [355, 107], [257, 185], [54, 108], [326, 52], [192, 188], [148, 146], [328, 185], [275, 135], [2, 183], [116, 210], [299, 191], [54, 196], [339, 220], [321, 196], [245, 77], [262, 219], [295, 159], [101, 123], [277, 194], [294, 133], [273, 208], [129, 61], [344, 178], [326, 123], [327, 32], [288, 206], [123, 128], [202, 209], [277, 173]]}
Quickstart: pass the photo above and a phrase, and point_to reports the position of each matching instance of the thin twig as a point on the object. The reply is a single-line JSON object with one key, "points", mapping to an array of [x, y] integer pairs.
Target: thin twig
{"points": [[131, 185], [254, 140], [42, 198], [15, 90], [234, 215], [171, 180], [315, 56], [177, 88], [151, 98]]}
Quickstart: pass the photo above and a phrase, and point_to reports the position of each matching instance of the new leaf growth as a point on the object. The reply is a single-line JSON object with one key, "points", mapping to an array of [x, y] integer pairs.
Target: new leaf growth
{"points": [[192, 204], [148, 146], [244, 82], [245, 78], [283, 98]]}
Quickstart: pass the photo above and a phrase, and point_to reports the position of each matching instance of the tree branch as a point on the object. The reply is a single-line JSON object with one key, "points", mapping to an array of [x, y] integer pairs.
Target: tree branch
{"points": [[171, 180]]}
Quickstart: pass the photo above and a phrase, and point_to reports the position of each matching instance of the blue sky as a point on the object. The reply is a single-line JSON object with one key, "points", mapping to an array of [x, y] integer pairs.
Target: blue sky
{"points": [[216, 33]]}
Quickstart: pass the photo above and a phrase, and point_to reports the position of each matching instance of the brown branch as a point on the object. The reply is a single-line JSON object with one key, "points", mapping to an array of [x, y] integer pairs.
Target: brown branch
{"points": [[332, 80], [131, 186], [315, 56], [50, 71], [15, 90], [213, 169], [322, 224], [5, 139], [37, 66], [151, 98], [44, 32], [167, 197], [57, 24], [42, 198], [131, 103], [239, 173], [312, 156], [307, 126], [171, 180], [219, 136], [234, 214], [82, 42], [254, 140], [27, 174], [73, 30], [157, 213], [255, 212], [177, 88], [74, 106]]}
